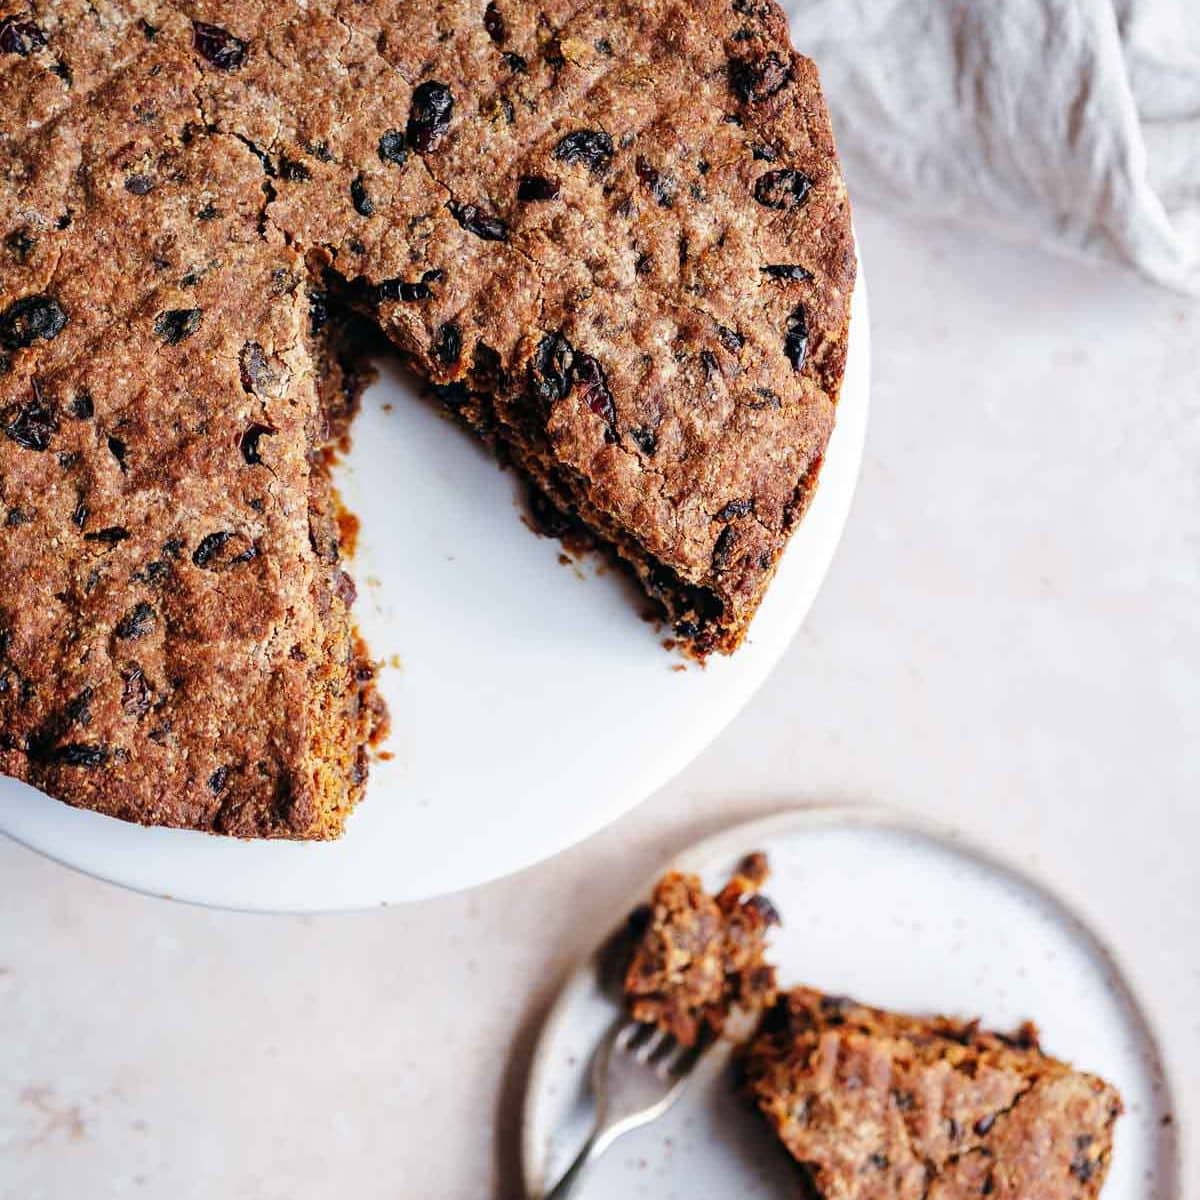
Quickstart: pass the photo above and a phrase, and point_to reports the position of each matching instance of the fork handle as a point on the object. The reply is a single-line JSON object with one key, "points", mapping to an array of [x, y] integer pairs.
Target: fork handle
{"points": [[596, 1144]]}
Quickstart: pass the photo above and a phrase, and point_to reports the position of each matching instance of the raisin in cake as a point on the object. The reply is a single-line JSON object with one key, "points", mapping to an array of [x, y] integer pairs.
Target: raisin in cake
{"points": [[698, 959], [613, 235], [879, 1106]]}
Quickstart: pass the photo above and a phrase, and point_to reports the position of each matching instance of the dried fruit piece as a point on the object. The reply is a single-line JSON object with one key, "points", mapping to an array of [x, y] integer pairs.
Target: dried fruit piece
{"points": [[32, 317], [109, 536], [136, 623], [736, 508], [20, 36], [117, 449], [792, 272], [210, 546], [429, 115], [392, 148], [176, 324], [401, 289], [645, 439], [293, 170], [447, 346], [795, 343], [536, 188], [250, 440], [765, 909], [757, 79], [361, 198], [139, 184], [592, 383], [483, 225], [730, 338], [30, 425], [224, 549], [550, 369], [592, 148], [217, 780], [81, 754], [218, 46], [493, 22], [82, 406], [318, 311], [723, 548], [783, 188]]}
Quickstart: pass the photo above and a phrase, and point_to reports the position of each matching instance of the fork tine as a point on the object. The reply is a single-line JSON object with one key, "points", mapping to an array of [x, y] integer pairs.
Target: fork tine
{"points": [[678, 1061], [647, 1049], [662, 1050], [626, 1034]]}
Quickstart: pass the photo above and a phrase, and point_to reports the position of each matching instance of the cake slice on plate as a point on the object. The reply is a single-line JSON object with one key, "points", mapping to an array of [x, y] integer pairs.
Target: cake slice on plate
{"points": [[698, 960], [880, 1106]]}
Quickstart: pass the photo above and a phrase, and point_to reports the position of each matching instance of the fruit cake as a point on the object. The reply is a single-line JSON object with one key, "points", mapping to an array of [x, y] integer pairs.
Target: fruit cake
{"points": [[698, 959], [612, 235], [880, 1106]]}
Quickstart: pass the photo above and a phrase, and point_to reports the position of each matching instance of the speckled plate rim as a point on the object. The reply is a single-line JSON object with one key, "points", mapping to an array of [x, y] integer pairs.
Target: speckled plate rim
{"points": [[741, 839]]}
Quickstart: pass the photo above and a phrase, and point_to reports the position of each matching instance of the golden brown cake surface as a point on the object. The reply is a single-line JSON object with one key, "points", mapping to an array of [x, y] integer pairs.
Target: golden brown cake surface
{"points": [[613, 235]]}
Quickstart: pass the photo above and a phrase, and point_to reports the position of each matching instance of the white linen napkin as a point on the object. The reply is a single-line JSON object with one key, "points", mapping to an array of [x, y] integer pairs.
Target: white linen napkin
{"points": [[1072, 122]]}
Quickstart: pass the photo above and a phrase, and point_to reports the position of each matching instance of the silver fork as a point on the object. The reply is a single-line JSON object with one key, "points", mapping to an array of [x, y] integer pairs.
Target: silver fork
{"points": [[638, 1073]]}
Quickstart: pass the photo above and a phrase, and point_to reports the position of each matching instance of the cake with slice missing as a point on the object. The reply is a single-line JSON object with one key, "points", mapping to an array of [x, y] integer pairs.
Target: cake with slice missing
{"points": [[614, 236], [880, 1106]]}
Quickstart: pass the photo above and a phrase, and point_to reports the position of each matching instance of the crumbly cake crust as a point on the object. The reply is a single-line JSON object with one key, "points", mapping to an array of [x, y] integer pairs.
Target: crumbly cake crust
{"points": [[697, 959], [614, 236], [880, 1106]]}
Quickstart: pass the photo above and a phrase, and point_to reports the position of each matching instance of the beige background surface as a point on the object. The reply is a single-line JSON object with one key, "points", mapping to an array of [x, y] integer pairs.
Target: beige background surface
{"points": [[1009, 640]]}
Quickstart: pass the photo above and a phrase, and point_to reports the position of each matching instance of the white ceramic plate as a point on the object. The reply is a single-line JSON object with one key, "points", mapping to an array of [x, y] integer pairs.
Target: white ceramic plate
{"points": [[893, 913], [530, 705]]}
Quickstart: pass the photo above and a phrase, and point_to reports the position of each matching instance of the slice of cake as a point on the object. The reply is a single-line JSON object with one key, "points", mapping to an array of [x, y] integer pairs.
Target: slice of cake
{"points": [[879, 1106], [698, 959]]}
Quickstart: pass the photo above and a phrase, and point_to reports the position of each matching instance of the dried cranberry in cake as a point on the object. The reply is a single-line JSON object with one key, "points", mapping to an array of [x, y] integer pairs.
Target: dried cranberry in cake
{"points": [[534, 189], [783, 188], [218, 46], [591, 148], [757, 79], [429, 116], [483, 225], [30, 319], [20, 35], [177, 324]]}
